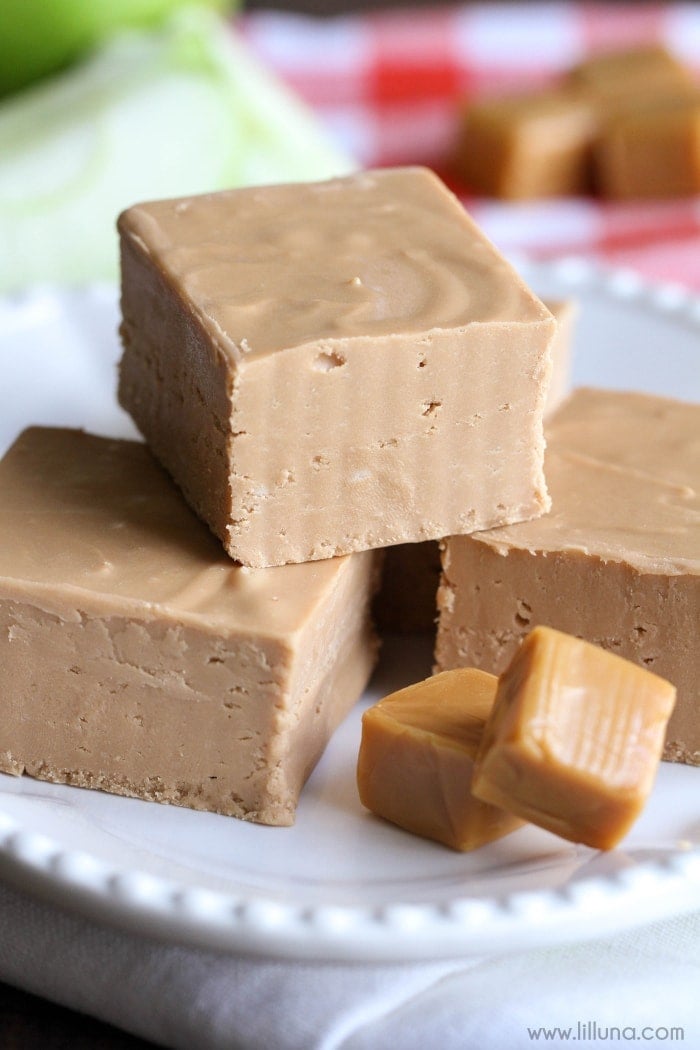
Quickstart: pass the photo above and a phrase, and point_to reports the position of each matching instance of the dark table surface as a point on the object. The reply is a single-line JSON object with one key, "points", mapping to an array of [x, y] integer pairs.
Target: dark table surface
{"points": [[29, 1023]]}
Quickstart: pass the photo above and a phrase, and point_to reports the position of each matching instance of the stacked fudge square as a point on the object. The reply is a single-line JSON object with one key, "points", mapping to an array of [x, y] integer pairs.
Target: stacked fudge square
{"points": [[334, 367], [329, 369], [324, 371]]}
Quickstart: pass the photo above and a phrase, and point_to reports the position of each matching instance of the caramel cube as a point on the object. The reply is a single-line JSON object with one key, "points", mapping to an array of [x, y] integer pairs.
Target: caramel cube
{"points": [[528, 146], [574, 739], [417, 755], [651, 151]]}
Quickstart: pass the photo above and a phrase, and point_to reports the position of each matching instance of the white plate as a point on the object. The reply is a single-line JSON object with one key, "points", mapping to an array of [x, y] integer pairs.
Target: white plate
{"points": [[341, 884]]}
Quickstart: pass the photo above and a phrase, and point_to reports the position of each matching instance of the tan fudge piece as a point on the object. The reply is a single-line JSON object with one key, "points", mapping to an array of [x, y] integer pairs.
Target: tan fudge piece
{"points": [[406, 600], [617, 561], [417, 756], [651, 151], [574, 739], [528, 146], [135, 657], [330, 367], [636, 72]]}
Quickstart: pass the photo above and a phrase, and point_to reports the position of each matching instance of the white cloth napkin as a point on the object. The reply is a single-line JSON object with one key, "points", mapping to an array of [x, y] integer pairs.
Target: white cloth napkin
{"points": [[644, 983]]}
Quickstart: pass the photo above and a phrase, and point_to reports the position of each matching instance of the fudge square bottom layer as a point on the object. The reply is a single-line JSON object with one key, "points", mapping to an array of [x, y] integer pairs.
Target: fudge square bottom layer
{"points": [[334, 366], [616, 561], [135, 657]]}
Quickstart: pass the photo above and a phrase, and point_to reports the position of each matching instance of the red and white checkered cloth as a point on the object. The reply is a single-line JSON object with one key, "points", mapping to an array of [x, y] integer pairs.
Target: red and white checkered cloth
{"points": [[388, 86]]}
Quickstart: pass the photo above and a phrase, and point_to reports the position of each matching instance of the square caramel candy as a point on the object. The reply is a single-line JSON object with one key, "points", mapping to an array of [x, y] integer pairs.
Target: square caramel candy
{"points": [[135, 657], [528, 146], [406, 600], [651, 151], [335, 366], [617, 561], [574, 739], [417, 756]]}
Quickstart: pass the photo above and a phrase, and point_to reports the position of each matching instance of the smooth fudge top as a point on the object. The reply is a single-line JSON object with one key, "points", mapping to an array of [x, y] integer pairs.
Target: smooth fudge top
{"points": [[389, 252], [97, 523], [623, 471]]}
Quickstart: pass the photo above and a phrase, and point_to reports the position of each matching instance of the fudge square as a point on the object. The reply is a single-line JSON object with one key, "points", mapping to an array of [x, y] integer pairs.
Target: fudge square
{"points": [[616, 562], [336, 366], [135, 657]]}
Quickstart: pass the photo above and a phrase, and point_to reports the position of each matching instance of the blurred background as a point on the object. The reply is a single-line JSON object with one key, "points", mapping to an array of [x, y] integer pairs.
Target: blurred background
{"points": [[105, 104]]}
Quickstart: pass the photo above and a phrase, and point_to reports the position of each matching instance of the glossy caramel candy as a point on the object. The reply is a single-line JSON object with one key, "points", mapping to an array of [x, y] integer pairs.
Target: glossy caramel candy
{"points": [[574, 739], [417, 755]]}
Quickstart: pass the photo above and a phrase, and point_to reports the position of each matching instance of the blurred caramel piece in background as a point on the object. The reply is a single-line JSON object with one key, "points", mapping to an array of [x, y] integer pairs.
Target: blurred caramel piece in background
{"points": [[623, 124], [417, 756], [651, 151], [645, 70], [527, 146], [648, 143], [574, 739]]}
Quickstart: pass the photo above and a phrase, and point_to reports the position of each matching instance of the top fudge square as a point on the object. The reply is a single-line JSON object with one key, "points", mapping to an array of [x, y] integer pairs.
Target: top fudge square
{"points": [[334, 366]]}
